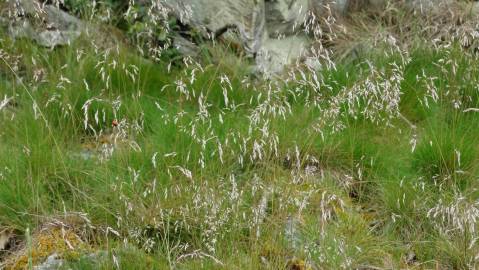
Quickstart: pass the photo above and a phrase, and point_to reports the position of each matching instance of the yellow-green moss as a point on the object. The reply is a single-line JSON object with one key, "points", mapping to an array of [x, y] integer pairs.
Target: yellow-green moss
{"points": [[66, 243]]}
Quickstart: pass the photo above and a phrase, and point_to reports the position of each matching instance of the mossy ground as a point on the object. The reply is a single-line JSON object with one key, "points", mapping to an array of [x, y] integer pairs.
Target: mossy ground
{"points": [[63, 242]]}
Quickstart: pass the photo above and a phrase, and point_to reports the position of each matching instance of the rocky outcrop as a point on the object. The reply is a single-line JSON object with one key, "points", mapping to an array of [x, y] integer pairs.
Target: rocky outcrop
{"points": [[275, 33], [269, 31], [46, 24]]}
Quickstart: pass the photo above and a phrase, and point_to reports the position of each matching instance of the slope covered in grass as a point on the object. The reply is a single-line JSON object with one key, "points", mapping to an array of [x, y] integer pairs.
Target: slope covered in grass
{"points": [[366, 164]]}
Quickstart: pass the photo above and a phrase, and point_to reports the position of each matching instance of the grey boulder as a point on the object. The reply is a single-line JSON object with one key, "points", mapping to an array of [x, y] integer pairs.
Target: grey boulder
{"points": [[46, 24]]}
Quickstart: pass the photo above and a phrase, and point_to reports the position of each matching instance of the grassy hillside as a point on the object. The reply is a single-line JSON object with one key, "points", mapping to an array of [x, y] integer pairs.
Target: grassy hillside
{"points": [[370, 163]]}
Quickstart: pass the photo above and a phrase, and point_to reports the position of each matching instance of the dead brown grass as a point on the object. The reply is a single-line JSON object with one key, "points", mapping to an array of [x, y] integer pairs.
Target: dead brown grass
{"points": [[367, 25]]}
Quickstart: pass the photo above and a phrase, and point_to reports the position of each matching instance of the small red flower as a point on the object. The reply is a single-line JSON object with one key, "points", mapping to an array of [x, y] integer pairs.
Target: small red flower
{"points": [[114, 123]]}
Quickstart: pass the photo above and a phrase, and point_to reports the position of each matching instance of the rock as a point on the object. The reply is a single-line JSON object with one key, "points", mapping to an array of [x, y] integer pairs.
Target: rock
{"points": [[46, 24], [215, 17], [185, 47], [276, 54], [271, 31], [267, 30], [53, 262], [285, 17]]}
